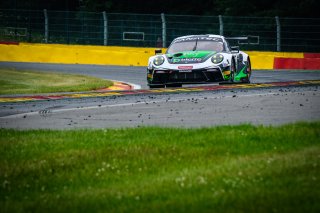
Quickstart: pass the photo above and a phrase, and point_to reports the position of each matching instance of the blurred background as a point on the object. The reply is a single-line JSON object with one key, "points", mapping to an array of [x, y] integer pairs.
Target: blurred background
{"points": [[274, 25]]}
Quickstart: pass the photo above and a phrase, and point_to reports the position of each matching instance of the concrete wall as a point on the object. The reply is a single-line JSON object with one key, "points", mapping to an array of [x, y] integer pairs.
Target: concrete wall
{"points": [[131, 56]]}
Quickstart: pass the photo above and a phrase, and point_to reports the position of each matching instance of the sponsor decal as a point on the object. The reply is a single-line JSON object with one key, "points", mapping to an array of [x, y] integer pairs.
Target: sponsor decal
{"points": [[195, 38], [189, 57], [186, 60], [175, 60], [185, 67]]}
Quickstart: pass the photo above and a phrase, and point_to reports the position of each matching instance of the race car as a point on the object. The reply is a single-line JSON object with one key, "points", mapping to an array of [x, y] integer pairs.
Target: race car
{"points": [[197, 59]]}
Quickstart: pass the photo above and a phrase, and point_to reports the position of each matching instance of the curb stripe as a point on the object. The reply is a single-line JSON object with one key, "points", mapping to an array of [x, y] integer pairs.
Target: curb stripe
{"points": [[155, 91], [116, 86]]}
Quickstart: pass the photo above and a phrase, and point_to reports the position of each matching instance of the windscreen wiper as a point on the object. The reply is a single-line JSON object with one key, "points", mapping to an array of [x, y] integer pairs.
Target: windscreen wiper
{"points": [[195, 46]]}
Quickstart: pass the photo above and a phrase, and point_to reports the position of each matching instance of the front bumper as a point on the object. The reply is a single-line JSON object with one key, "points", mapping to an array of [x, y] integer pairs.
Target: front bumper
{"points": [[158, 76]]}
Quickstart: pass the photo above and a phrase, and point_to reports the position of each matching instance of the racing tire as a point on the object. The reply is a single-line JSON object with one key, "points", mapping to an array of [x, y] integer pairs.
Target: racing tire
{"points": [[156, 86], [247, 79], [174, 85], [232, 71]]}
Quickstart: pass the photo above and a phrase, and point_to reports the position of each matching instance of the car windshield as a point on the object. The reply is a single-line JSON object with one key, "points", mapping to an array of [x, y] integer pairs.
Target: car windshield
{"points": [[197, 45]]}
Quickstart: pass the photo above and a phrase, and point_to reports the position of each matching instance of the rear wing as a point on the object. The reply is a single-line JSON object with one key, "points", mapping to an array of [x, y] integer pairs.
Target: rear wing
{"points": [[253, 40]]}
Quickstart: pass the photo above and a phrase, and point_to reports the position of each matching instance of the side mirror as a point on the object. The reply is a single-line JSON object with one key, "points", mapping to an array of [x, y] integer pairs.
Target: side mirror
{"points": [[158, 51], [235, 49]]}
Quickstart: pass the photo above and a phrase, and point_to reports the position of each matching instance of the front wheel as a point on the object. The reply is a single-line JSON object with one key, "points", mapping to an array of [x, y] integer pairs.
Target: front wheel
{"points": [[232, 71], [248, 71]]}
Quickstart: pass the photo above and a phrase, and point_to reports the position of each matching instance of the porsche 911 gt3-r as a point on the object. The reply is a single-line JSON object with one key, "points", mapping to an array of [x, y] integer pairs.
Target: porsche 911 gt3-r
{"points": [[198, 59]]}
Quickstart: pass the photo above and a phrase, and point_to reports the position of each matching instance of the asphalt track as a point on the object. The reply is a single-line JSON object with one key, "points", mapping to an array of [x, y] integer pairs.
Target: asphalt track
{"points": [[267, 105]]}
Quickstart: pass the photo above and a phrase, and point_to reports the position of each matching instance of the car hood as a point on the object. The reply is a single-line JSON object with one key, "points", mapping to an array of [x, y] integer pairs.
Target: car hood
{"points": [[189, 57]]}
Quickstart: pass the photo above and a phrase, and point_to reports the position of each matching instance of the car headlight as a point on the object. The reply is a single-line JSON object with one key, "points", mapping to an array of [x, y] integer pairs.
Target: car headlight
{"points": [[217, 58], [158, 60]]}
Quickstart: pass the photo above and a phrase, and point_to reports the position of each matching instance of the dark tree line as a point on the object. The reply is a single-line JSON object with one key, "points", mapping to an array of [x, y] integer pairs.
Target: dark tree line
{"points": [[284, 8]]}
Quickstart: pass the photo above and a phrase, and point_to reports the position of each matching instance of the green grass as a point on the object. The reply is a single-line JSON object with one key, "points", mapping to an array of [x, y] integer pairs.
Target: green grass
{"points": [[222, 169], [14, 81]]}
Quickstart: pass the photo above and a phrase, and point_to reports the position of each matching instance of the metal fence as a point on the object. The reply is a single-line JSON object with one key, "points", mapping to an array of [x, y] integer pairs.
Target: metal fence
{"points": [[150, 30]]}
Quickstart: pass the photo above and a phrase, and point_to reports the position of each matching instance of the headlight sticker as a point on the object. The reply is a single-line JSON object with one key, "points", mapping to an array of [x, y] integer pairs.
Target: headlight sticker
{"points": [[217, 58], [158, 60]]}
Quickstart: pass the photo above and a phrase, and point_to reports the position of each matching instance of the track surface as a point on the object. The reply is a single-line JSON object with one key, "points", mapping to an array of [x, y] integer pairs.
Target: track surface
{"points": [[258, 106], [137, 75]]}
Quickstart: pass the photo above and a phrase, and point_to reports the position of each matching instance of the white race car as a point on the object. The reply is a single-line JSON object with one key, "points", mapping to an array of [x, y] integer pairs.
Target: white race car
{"points": [[198, 59]]}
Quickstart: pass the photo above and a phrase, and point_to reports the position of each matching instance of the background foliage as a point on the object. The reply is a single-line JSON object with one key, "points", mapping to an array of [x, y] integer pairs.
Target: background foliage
{"points": [[284, 8]]}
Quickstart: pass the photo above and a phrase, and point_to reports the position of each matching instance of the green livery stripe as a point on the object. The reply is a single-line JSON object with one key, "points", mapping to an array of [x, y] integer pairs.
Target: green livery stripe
{"points": [[241, 74], [192, 54]]}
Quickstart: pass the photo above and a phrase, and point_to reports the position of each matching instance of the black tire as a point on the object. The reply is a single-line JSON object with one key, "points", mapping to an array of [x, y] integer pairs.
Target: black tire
{"points": [[174, 85], [232, 71], [156, 86], [249, 71]]}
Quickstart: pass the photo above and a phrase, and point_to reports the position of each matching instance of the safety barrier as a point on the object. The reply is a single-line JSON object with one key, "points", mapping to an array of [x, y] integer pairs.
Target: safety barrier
{"points": [[265, 60], [133, 56], [310, 61]]}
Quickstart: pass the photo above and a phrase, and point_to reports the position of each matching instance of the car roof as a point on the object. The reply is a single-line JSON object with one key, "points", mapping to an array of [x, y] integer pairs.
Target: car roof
{"points": [[201, 37], [206, 35]]}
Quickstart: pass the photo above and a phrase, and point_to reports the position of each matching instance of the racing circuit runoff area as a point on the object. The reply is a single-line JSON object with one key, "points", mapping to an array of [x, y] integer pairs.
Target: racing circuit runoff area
{"points": [[275, 96]]}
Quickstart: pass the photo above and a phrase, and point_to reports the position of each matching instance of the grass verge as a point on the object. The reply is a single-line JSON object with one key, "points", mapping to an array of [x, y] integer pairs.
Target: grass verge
{"points": [[29, 82], [222, 169]]}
